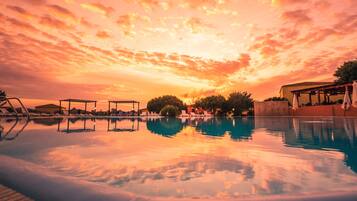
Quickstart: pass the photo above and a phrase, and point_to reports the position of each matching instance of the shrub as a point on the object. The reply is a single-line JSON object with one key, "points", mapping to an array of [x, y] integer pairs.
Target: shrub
{"points": [[276, 99], [170, 111]]}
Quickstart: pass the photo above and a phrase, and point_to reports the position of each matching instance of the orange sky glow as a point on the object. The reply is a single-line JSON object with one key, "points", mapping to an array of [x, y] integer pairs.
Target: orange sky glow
{"points": [[139, 49]]}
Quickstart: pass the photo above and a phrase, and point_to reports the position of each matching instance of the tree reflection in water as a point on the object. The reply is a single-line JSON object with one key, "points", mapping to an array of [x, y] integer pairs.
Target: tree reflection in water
{"points": [[315, 133], [165, 126]]}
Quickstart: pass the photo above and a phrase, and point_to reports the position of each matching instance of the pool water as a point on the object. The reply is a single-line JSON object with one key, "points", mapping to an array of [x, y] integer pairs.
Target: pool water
{"points": [[193, 158]]}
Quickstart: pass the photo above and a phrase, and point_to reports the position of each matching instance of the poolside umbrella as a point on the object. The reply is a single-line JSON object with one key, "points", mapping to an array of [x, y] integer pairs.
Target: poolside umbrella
{"points": [[295, 102], [354, 94], [346, 100]]}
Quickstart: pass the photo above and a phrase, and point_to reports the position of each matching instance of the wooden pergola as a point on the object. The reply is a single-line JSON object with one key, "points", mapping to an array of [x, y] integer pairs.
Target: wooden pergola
{"points": [[324, 91], [116, 102], [77, 101]]}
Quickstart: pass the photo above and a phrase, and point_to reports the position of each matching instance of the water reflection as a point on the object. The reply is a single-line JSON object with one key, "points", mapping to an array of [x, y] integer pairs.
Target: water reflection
{"points": [[164, 126], [14, 130], [245, 156], [238, 129], [81, 129], [319, 134], [47, 121], [113, 125]]}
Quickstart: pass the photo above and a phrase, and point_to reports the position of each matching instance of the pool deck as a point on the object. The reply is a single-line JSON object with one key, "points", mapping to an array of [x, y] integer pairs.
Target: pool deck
{"points": [[7, 194]]}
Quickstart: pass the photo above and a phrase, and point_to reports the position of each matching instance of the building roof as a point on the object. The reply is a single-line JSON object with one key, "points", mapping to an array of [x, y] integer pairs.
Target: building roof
{"points": [[307, 83], [47, 106], [339, 88], [79, 100], [123, 101]]}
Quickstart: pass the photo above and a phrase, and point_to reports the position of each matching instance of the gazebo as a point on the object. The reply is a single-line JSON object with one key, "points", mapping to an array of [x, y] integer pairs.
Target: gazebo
{"points": [[77, 101], [116, 102]]}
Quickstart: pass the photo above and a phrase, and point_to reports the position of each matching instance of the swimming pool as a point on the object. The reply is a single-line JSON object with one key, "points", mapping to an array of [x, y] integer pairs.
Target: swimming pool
{"points": [[275, 158]]}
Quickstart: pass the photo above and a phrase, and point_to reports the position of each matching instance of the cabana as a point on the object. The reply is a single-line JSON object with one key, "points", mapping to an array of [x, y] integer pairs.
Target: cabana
{"points": [[116, 102], [77, 101], [323, 93], [328, 100]]}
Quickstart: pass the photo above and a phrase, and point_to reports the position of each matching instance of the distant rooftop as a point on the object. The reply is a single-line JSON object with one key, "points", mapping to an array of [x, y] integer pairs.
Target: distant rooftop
{"points": [[79, 100], [334, 87], [307, 83], [123, 101], [47, 106]]}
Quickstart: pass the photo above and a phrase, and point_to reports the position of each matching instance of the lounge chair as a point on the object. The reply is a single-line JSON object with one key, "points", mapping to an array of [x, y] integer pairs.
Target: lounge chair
{"points": [[206, 114], [184, 114]]}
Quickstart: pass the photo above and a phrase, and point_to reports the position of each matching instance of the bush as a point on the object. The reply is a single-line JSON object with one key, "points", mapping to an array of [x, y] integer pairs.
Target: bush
{"points": [[170, 111], [276, 99]]}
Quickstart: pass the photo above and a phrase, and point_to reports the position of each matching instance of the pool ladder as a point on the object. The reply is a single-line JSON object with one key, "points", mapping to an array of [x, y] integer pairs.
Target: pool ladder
{"points": [[4, 100]]}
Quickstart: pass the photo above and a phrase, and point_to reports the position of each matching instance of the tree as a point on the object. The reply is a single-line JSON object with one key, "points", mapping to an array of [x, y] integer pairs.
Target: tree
{"points": [[156, 104], [211, 103], [347, 72], [239, 101], [170, 111]]}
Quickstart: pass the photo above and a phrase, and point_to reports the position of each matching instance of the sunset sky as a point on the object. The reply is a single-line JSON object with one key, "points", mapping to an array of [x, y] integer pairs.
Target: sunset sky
{"points": [[139, 49]]}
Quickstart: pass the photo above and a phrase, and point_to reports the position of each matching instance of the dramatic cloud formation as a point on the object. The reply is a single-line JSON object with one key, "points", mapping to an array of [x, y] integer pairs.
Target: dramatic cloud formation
{"points": [[144, 48]]}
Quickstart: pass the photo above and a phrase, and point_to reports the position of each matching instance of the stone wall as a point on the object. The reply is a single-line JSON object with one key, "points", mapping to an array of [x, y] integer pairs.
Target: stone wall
{"points": [[271, 108], [324, 110]]}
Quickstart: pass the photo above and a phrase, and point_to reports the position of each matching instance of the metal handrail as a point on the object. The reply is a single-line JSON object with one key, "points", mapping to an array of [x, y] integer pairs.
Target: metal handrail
{"points": [[7, 100]]}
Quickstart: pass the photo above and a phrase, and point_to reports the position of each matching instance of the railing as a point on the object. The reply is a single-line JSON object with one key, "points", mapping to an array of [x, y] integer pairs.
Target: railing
{"points": [[4, 100]]}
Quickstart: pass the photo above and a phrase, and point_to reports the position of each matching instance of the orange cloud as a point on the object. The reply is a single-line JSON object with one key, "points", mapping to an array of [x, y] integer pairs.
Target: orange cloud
{"points": [[17, 23], [195, 24], [128, 22], [197, 4], [51, 22], [288, 2], [103, 34], [268, 45], [21, 11], [35, 2], [62, 12], [298, 17], [86, 23], [98, 8]]}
